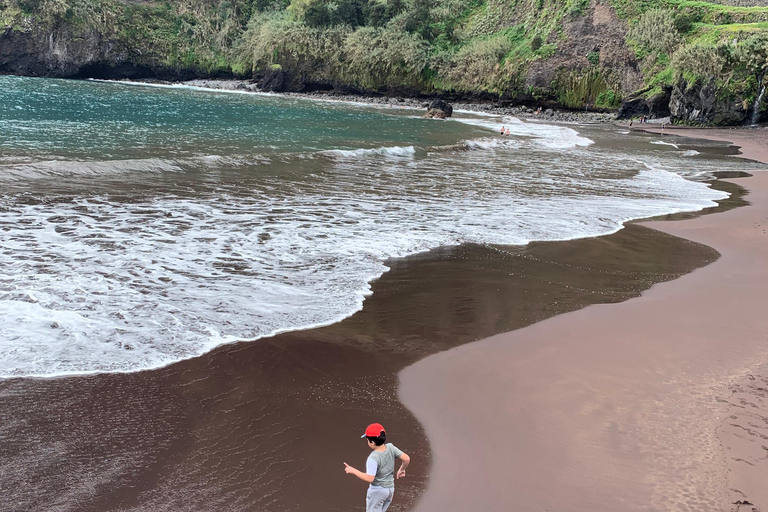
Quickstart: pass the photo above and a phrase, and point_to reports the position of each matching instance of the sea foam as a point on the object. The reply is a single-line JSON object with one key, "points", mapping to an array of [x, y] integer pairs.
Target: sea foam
{"points": [[131, 264]]}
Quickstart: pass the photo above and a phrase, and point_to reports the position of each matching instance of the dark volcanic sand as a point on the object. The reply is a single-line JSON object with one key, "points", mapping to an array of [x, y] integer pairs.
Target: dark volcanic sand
{"points": [[266, 425]]}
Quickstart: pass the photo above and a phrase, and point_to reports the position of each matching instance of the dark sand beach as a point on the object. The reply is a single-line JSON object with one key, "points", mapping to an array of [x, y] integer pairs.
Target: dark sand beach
{"points": [[266, 425], [656, 403]]}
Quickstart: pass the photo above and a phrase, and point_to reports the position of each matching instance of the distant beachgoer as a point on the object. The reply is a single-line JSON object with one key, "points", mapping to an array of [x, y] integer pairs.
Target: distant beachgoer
{"points": [[662, 128], [507, 132], [502, 131], [630, 122], [379, 469]]}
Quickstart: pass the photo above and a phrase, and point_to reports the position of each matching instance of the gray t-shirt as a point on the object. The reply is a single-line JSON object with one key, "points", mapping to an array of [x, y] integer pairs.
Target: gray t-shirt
{"points": [[382, 466]]}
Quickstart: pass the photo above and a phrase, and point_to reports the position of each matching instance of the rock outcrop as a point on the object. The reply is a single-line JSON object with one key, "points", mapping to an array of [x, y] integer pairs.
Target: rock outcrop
{"points": [[61, 53], [638, 105], [276, 80], [68, 52], [698, 103], [439, 109]]}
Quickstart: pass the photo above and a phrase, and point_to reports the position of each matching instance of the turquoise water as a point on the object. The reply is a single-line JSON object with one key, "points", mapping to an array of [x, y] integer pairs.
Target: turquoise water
{"points": [[83, 119], [143, 225]]}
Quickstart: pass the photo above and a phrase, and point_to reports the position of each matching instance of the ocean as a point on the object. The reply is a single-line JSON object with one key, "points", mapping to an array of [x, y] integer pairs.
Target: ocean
{"points": [[143, 225]]}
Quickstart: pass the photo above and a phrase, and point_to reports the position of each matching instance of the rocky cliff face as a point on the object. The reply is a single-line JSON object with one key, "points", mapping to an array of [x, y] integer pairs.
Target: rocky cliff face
{"points": [[698, 104], [638, 105], [62, 52], [599, 32], [57, 53]]}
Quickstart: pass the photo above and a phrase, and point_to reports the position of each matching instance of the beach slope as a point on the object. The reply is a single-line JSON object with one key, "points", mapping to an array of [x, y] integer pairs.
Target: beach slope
{"points": [[656, 403]]}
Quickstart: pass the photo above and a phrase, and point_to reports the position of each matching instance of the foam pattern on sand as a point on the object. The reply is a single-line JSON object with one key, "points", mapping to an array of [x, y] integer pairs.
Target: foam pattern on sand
{"points": [[115, 282]]}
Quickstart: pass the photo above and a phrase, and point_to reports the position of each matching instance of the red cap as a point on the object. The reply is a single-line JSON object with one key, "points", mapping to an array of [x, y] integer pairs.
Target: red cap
{"points": [[373, 430]]}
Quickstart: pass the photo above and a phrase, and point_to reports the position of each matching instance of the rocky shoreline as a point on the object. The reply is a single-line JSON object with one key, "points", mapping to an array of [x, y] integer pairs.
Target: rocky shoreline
{"points": [[523, 111], [489, 107]]}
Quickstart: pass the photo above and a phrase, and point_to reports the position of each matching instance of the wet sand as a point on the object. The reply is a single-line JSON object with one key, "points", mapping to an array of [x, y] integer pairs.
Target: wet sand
{"points": [[265, 426], [753, 143], [656, 403]]}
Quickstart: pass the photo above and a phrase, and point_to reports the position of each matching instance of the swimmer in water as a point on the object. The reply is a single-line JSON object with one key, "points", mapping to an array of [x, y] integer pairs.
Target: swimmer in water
{"points": [[502, 131]]}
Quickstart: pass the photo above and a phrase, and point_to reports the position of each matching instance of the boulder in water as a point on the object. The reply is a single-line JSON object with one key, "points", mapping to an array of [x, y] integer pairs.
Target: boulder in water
{"points": [[439, 109], [434, 113]]}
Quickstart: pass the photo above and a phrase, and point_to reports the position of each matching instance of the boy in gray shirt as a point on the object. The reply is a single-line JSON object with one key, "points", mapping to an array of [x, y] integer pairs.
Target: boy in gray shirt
{"points": [[379, 469]]}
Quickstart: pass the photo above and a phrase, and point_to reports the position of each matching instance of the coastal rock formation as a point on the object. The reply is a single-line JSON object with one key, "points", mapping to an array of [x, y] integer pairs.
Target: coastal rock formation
{"points": [[66, 51], [56, 53], [638, 105], [439, 109], [274, 81], [698, 103]]}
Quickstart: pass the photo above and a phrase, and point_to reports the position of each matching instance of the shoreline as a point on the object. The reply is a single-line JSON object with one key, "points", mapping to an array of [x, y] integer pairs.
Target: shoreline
{"points": [[523, 112], [655, 403], [237, 428]]}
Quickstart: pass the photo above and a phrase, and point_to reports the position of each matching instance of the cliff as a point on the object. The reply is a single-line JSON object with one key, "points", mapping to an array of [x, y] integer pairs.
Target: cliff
{"points": [[700, 62]]}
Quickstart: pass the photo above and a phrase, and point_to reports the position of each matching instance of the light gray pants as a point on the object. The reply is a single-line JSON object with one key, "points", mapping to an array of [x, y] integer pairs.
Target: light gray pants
{"points": [[378, 499]]}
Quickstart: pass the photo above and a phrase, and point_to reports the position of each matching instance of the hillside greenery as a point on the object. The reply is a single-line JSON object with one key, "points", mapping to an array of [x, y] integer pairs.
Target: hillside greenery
{"points": [[482, 47]]}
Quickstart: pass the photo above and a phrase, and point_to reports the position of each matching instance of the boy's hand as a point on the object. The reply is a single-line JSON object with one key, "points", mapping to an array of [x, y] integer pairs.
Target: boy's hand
{"points": [[401, 472], [348, 469]]}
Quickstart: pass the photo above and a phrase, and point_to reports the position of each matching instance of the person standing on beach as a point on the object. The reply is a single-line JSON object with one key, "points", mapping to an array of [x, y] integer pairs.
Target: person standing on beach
{"points": [[379, 469]]}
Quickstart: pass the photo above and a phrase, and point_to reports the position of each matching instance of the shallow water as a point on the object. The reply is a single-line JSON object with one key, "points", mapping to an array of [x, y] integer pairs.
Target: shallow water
{"points": [[144, 225]]}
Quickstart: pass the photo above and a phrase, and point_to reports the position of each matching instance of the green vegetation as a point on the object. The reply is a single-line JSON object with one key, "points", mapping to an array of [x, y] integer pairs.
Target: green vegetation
{"points": [[466, 46]]}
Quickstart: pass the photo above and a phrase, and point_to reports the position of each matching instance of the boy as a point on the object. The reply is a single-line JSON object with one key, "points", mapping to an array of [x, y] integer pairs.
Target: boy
{"points": [[379, 469]]}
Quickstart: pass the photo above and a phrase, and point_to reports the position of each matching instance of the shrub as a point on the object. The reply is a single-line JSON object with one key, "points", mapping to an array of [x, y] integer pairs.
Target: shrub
{"points": [[683, 22], [376, 57], [608, 99], [274, 38], [477, 64], [536, 42], [577, 89], [594, 58], [322, 13], [577, 7], [751, 54], [655, 32], [699, 61]]}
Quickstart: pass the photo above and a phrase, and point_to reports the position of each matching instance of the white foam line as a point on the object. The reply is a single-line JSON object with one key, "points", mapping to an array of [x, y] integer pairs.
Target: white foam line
{"points": [[223, 341], [661, 142], [387, 151]]}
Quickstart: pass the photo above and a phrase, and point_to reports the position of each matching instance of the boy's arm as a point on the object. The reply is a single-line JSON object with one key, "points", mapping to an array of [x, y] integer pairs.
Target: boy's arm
{"points": [[365, 477], [405, 459]]}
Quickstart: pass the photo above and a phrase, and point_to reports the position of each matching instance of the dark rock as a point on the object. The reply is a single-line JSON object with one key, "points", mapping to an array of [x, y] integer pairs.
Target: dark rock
{"points": [[442, 106], [632, 107], [658, 105], [698, 104], [276, 80], [58, 53], [68, 51], [434, 113], [637, 105], [114, 71]]}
